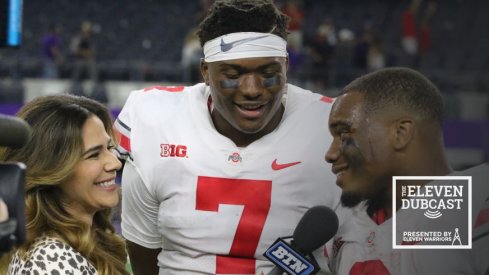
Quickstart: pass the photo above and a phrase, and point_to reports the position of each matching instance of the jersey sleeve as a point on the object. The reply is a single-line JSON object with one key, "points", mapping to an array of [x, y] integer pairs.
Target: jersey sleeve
{"points": [[139, 210], [123, 125]]}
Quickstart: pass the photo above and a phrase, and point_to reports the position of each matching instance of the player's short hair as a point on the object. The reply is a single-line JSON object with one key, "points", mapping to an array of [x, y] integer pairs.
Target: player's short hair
{"points": [[400, 88], [230, 16]]}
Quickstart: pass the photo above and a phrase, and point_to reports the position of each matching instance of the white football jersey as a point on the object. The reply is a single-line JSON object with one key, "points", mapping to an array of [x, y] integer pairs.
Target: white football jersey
{"points": [[214, 207], [363, 247]]}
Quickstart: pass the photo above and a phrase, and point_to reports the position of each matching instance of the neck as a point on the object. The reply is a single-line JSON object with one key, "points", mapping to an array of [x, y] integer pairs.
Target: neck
{"points": [[87, 219], [431, 163], [240, 138], [81, 215], [427, 163], [428, 157], [381, 201]]}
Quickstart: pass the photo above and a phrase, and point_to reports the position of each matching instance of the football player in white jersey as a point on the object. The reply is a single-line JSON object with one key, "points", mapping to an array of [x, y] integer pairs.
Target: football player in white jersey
{"points": [[384, 124], [216, 172]]}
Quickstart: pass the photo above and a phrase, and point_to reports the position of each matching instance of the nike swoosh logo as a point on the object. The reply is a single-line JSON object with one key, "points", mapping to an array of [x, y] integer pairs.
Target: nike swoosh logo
{"points": [[228, 46], [276, 166]]}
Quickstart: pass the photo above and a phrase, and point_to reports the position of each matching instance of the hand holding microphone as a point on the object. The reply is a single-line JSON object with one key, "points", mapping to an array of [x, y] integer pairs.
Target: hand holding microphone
{"points": [[318, 225], [14, 133]]}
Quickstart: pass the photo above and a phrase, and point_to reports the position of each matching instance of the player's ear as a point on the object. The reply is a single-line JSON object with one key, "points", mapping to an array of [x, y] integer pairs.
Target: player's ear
{"points": [[403, 133], [204, 70]]}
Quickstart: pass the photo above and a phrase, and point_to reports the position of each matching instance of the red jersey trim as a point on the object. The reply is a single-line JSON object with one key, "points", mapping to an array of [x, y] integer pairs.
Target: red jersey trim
{"points": [[326, 99], [379, 216], [123, 140], [166, 88]]}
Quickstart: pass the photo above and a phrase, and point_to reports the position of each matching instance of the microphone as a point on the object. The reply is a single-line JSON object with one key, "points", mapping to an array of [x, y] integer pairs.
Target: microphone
{"points": [[14, 132], [318, 225]]}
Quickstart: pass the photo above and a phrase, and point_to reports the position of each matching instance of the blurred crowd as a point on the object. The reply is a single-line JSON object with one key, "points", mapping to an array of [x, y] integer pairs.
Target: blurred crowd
{"points": [[318, 56], [330, 43]]}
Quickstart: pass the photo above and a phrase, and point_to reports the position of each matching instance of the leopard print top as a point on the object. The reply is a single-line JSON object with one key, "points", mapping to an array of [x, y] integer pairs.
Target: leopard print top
{"points": [[51, 257]]}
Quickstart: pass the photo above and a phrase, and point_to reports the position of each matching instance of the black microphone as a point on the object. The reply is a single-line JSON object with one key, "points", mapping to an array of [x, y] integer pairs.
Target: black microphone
{"points": [[14, 132], [318, 225]]}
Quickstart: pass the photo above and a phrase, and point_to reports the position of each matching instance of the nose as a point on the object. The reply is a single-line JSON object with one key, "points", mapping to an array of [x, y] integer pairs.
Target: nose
{"points": [[251, 85], [112, 163], [333, 152]]}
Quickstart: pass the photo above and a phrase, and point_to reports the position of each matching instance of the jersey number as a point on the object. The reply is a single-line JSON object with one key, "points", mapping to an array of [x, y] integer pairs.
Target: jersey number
{"points": [[255, 196]]}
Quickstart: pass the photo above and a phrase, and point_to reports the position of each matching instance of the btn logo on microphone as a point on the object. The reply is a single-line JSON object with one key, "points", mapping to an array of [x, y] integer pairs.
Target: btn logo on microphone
{"points": [[289, 259]]}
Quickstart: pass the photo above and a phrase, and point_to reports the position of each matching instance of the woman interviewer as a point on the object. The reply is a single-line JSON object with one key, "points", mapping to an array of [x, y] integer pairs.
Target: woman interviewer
{"points": [[69, 189]]}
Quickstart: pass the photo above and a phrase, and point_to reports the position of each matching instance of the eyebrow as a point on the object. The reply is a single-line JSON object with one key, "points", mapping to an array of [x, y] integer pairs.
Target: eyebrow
{"points": [[96, 148], [92, 150], [340, 124]]}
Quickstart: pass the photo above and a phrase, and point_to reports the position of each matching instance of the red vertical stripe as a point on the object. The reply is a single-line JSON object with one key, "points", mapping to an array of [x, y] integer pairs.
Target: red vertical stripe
{"points": [[122, 140], [125, 143]]}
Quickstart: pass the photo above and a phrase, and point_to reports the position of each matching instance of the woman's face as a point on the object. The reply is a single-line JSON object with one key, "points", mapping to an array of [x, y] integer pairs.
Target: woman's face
{"points": [[91, 187]]}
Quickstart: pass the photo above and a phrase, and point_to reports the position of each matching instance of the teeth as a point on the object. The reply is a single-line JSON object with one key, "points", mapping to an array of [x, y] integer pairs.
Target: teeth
{"points": [[340, 172], [106, 183]]}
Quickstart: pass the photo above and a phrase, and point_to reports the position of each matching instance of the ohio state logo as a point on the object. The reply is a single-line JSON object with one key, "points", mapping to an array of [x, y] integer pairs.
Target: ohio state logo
{"points": [[235, 158], [173, 150], [370, 239]]}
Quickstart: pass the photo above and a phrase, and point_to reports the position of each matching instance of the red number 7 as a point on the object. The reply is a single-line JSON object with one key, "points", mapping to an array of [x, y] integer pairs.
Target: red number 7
{"points": [[255, 195]]}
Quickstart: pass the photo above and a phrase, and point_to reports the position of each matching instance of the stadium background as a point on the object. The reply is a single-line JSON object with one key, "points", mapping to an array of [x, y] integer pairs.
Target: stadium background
{"points": [[140, 44]]}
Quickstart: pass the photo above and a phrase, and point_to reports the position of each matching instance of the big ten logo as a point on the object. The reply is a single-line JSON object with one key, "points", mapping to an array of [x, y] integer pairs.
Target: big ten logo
{"points": [[172, 150]]}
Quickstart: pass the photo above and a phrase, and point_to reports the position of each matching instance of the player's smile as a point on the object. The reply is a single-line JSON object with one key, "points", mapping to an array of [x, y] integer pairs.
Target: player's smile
{"points": [[339, 171], [251, 110]]}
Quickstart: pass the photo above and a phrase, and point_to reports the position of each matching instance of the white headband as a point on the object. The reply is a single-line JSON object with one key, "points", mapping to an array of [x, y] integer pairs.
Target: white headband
{"points": [[244, 45]]}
